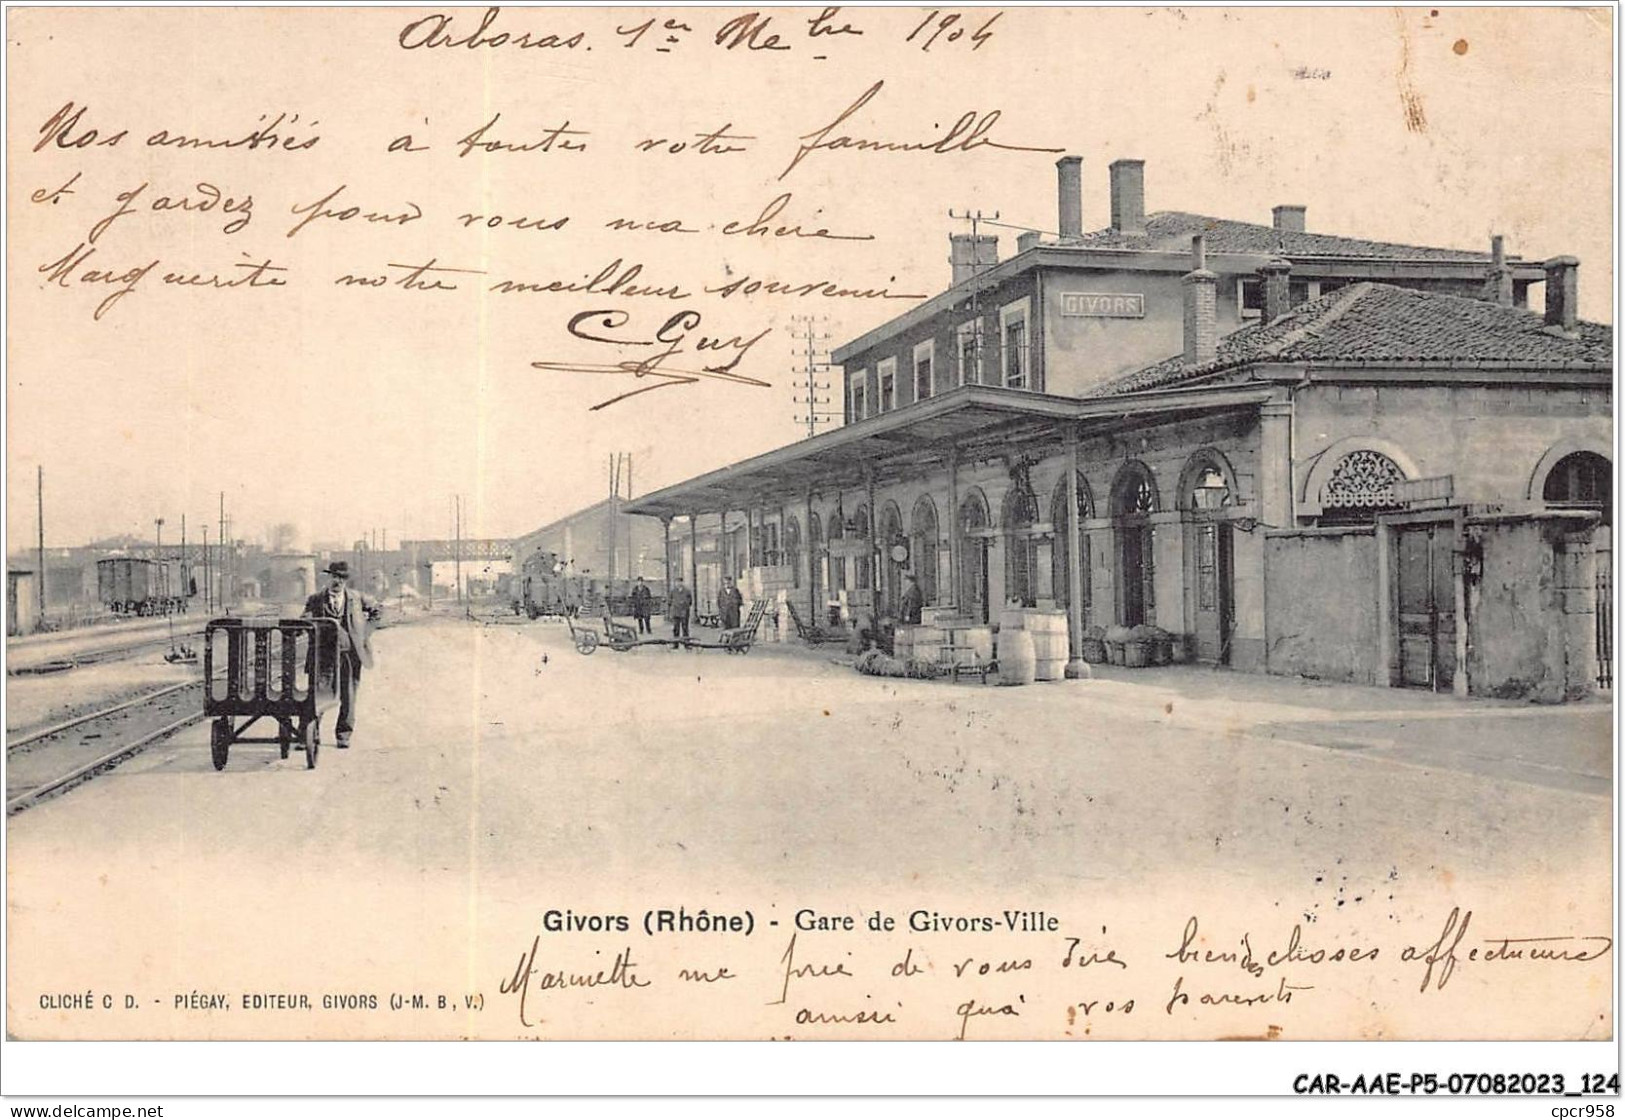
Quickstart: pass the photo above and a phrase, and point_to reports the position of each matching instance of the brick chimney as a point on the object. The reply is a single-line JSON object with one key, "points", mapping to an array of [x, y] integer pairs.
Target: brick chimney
{"points": [[1128, 195], [1201, 314], [1029, 239], [970, 254], [1290, 219], [1276, 276], [1069, 196], [1562, 292], [1498, 285]]}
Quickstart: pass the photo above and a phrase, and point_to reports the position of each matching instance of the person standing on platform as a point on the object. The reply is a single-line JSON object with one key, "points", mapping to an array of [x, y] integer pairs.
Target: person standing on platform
{"points": [[678, 605], [642, 605], [350, 650], [729, 601], [913, 604]]}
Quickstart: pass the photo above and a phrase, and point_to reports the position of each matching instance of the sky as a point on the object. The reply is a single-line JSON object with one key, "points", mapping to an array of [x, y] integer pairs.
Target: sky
{"points": [[345, 408]]}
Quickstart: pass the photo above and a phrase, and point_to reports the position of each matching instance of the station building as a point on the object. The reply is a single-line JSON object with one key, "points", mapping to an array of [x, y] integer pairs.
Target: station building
{"points": [[1303, 453]]}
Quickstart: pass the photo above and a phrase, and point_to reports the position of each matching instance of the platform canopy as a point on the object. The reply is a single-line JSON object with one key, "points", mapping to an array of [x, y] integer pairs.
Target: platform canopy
{"points": [[977, 421]]}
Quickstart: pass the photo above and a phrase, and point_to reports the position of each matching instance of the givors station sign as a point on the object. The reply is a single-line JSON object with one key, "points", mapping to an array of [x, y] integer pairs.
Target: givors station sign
{"points": [[1103, 305]]}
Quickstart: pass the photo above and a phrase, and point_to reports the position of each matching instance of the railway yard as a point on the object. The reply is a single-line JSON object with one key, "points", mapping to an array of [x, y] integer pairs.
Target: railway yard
{"points": [[490, 752], [80, 702]]}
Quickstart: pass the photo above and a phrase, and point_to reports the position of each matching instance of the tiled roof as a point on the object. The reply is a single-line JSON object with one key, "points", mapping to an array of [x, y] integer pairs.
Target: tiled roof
{"points": [[1380, 322], [1172, 229]]}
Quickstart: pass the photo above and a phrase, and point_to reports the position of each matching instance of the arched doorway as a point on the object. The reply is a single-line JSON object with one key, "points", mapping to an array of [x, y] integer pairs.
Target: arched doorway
{"points": [[1018, 516], [1060, 555], [923, 547], [891, 540], [974, 524], [792, 549], [1207, 490], [837, 563], [1134, 500], [1585, 480], [862, 566], [815, 567]]}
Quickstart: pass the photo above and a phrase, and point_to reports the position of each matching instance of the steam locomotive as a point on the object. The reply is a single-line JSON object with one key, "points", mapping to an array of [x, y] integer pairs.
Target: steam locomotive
{"points": [[545, 585]]}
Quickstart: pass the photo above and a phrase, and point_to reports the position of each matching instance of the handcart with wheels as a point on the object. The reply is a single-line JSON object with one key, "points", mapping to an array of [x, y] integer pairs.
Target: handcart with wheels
{"points": [[282, 670], [617, 636], [735, 639], [620, 637]]}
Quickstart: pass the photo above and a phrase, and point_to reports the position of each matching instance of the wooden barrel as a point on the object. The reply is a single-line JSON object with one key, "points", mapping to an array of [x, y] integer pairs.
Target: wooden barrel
{"points": [[1048, 629], [1015, 656], [928, 643], [980, 639], [902, 643]]}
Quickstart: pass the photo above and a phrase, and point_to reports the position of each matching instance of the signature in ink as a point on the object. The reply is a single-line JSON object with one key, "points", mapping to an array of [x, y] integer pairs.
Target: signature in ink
{"points": [[672, 340]]}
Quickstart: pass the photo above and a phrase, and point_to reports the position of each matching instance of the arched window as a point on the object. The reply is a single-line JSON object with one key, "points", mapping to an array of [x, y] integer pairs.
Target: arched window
{"points": [[1134, 492], [923, 543], [1061, 552], [1582, 480], [792, 549], [1361, 486]]}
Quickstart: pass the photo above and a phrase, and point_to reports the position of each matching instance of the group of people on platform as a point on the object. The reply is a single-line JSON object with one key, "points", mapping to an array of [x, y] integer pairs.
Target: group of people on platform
{"points": [[868, 630]]}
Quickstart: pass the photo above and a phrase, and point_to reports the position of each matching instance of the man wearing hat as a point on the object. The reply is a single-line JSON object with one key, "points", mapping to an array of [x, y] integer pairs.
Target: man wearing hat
{"points": [[352, 611]]}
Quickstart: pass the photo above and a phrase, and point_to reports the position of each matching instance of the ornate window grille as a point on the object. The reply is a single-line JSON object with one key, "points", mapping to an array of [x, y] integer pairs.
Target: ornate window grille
{"points": [[1361, 486]]}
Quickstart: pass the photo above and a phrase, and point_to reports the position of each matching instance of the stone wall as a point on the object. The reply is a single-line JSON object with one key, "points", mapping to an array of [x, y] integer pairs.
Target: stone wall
{"points": [[1323, 605], [1531, 630]]}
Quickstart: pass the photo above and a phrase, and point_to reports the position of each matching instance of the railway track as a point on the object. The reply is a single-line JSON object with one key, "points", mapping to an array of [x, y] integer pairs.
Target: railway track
{"points": [[48, 761]]}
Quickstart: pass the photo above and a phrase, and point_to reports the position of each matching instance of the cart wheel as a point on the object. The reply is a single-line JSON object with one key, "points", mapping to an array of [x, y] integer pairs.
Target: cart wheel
{"points": [[219, 743], [284, 738], [313, 743], [586, 641]]}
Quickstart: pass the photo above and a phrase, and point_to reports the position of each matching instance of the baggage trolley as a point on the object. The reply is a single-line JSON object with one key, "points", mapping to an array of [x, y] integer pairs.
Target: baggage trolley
{"points": [[282, 670]]}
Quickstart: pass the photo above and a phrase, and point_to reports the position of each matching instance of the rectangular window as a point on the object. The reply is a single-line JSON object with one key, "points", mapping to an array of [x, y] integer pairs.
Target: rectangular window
{"points": [[1013, 323], [860, 385], [1250, 298], [970, 353], [924, 359], [888, 386]]}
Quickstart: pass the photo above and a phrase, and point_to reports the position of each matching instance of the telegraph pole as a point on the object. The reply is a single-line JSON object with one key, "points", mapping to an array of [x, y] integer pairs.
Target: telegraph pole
{"points": [[614, 532], [813, 334], [975, 218], [221, 536], [41, 496], [629, 562], [208, 583]]}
